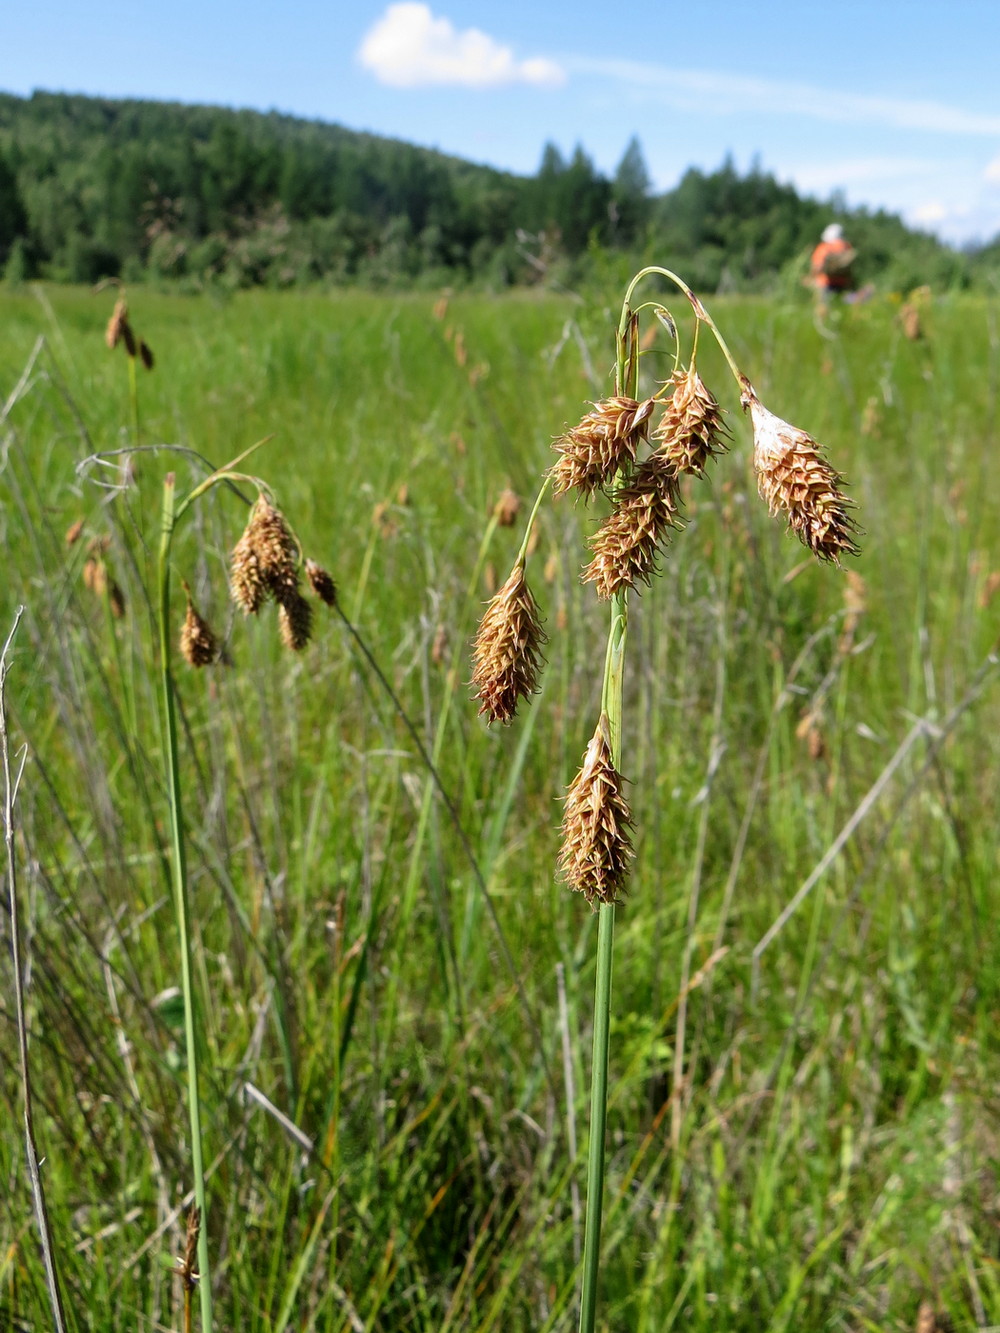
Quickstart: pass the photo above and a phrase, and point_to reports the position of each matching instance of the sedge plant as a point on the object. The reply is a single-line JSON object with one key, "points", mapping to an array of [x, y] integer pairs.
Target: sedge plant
{"points": [[635, 452], [267, 565]]}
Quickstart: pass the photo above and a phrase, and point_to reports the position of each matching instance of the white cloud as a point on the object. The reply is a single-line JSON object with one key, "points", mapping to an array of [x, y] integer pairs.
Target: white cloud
{"points": [[822, 177], [992, 173], [409, 48], [728, 94]]}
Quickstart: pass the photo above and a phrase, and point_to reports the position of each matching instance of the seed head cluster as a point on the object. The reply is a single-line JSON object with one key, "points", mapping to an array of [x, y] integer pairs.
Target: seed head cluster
{"points": [[605, 440], [691, 430], [265, 565], [795, 480], [506, 655], [596, 843]]}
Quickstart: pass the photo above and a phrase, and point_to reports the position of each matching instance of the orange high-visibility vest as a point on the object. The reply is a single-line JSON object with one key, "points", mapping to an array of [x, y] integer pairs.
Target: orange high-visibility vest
{"points": [[838, 280]]}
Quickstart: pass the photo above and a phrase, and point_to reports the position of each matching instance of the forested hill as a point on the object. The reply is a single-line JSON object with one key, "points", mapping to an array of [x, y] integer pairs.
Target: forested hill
{"points": [[92, 188]]}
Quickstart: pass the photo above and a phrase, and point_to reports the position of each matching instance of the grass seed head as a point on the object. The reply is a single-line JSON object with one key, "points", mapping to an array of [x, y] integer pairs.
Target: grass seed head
{"points": [[596, 842], [263, 562], [321, 583], [506, 655], [507, 509], [199, 646], [794, 479], [294, 620], [119, 329], [626, 546], [605, 440], [146, 354], [691, 430]]}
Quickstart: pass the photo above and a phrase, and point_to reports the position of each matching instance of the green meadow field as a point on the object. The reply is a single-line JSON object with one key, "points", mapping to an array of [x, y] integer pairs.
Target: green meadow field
{"points": [[396, 990]]}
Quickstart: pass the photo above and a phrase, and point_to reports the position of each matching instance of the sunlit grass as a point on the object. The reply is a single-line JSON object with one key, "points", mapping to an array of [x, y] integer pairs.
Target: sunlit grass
{"points": [[839, 1121]]}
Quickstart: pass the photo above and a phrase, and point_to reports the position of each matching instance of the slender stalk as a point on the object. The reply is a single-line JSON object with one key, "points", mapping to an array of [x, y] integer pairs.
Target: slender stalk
{"points": [[37, 1189], [626, 377], [179, 872]]}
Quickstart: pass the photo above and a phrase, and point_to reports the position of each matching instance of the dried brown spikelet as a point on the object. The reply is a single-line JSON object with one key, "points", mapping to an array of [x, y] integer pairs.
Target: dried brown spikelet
{"points": [[294, 620], [199, 646], [117, 600], [507, 508], [95, 575], [626, 545], [117, 324], [795, 480], [146, 354], [321, 583], [596, 842], [691, 430], [506, 655], [604, 441], [73, 532]]}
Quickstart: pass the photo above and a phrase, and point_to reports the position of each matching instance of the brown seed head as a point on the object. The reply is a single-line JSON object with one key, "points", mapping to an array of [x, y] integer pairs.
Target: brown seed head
{"points": [[95, 575], [604, 441], [199, 646], [73, 532], [507, 508], [625, 546], [263, 561], [117, 324], [795, 480], [506, 655], [596, 846], [691, 430], [146, 354], [294, 620], [321, 583]]}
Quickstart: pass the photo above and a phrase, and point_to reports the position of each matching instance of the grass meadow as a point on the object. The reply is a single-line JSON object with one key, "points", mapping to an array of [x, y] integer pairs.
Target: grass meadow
{"points": [[804, 1119]]}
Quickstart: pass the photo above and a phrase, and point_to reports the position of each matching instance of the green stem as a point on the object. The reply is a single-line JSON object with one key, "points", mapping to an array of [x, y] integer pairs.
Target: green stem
{"points": [[179, 869], [133, 399], [626, 382], [700, 313]]}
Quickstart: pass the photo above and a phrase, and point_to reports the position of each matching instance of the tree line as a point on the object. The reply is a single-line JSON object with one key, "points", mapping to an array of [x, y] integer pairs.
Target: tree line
{"points": [[93, 188]]}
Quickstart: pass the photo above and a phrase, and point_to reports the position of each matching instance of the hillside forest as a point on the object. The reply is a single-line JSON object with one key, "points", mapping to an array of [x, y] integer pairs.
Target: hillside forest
{"points": [[194, 195]]}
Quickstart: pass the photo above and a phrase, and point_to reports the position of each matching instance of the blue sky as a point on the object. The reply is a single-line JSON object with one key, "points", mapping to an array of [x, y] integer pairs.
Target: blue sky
{"points": [[895, 103]]}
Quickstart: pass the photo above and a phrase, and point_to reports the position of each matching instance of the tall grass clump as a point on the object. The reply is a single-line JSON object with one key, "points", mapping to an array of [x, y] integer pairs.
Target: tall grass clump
{"points": [[614, 452]]}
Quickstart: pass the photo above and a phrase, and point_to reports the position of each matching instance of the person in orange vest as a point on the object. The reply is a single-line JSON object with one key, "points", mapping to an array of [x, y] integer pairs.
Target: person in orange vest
{"points": [[831, 262]]}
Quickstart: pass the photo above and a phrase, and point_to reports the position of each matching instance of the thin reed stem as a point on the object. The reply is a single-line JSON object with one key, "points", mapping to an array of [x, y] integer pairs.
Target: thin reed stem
{"points": [[612, 693], [180, 883], [37, 1188]]}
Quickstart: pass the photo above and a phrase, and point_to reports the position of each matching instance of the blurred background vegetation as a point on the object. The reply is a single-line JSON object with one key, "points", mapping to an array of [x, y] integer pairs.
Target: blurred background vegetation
{"points": [[92, 188]]}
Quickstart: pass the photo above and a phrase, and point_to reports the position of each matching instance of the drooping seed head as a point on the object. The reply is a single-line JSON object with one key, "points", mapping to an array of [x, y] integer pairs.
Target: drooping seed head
{"points": [[506, 656], [146, 354], [605, 440], [321, 583], [795, 480], [507, 508], [199, 646], [117, 324], [294, 620], [626, 545], [596, 842], [263, 561], [691, 430]]}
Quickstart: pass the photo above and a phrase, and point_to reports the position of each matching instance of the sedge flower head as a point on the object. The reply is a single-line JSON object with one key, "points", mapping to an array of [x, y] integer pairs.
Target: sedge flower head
{"points": [[691, 430], [605, 440], [796, 481], [596, 842], [627, 544], [506, 655]]}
